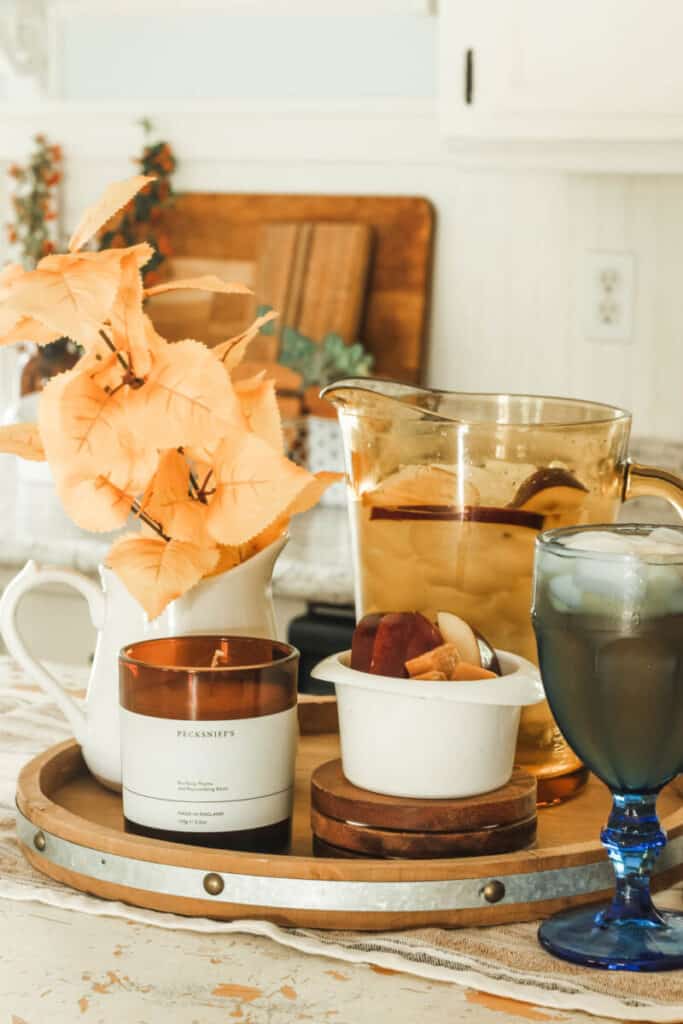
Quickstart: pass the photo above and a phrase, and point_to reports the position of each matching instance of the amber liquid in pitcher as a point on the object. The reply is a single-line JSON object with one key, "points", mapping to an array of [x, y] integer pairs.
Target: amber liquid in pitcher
{"points": [[191, 720]]}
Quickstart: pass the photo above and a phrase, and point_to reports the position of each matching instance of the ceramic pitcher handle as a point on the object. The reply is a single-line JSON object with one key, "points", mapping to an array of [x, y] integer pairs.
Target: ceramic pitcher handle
{"points": [[651, 482], [32, 576]]}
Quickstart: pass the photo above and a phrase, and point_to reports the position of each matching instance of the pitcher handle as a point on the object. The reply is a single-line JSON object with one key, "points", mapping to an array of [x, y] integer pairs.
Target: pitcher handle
{"points": [[32, 576], [651, 482]]}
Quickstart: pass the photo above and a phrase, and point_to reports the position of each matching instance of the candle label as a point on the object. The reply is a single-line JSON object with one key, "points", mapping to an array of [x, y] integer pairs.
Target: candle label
{"points": [[208, 776]]}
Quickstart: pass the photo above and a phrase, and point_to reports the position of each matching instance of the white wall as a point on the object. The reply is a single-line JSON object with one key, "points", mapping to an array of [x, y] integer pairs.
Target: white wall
{"points": [[511, 239]]}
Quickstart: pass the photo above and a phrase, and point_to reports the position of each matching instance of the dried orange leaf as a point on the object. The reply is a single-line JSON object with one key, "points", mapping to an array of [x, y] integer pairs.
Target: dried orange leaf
{"points": [[155, 342], [72, 297], [231, 352], [93, 501], [184, 400], [187, 520], [27, 329], [313, 492], [259, 404], [307, 498], [8, 319], [50, 412], [253, 486], [167, 500], [22, 439], [86, 434], [113, 198], [9, 275], [228, 558], [155, 571], [265, 538], [143, 253], [90, 419], [102, 366], [171, 480], [128, 322], [205, 283], [12, 272], [97, 491]]}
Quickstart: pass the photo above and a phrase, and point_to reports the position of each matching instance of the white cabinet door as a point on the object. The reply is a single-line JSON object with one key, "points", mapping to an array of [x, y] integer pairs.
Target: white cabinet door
{"points": [[565, 69]]}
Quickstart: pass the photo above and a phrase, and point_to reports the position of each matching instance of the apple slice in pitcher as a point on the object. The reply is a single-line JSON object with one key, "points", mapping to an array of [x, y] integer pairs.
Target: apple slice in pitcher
{"points": [[552, 492], [474, 648]]}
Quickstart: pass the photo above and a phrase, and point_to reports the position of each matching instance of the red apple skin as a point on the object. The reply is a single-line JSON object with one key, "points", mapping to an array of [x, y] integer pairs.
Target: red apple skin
{"points": [[425, 637], [389, 647], [363, 641], [400, 637]]}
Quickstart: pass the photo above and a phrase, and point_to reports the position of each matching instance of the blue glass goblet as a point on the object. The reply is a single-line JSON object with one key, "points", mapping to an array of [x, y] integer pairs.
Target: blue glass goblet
{"points": [[608, 616]]}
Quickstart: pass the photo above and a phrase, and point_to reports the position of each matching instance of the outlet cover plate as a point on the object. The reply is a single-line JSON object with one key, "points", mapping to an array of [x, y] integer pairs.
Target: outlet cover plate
{"points": [[608, 295]]}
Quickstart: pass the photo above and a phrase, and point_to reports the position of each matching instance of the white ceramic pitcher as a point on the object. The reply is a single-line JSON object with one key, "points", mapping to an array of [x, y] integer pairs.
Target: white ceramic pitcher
{"points": [[236, 601]]}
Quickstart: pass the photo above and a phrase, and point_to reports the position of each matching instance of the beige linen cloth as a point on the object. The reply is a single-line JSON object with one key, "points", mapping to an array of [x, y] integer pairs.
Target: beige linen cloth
{"points": [[503, 961]]}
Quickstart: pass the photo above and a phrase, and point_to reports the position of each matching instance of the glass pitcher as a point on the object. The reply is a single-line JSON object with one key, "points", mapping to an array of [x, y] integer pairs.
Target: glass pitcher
{"points": [[447, 493]]}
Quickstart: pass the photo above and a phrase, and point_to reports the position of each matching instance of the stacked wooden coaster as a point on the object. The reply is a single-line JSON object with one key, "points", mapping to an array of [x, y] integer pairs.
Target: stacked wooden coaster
{"points": [[352, 822]]}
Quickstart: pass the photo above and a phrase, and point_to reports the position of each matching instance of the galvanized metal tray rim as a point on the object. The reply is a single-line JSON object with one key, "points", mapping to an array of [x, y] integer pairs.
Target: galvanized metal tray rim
{"points": [[54, 836]]}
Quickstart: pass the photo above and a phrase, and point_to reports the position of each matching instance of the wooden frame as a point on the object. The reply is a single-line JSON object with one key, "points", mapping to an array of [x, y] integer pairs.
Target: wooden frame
{"points": [[394, 324]]}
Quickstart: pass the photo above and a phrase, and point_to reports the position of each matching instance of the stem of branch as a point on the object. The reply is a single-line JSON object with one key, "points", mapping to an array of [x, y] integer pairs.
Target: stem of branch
{"points": [[194, 485], [202, 493], [110, 344], [141, 514]]}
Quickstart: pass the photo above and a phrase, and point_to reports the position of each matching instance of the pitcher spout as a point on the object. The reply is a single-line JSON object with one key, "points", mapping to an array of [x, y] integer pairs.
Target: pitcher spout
{"points": [[372, 395]]}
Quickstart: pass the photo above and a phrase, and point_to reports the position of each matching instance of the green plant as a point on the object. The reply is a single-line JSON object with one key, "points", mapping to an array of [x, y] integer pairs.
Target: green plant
{"points": [[34, 202], [324, 362]]}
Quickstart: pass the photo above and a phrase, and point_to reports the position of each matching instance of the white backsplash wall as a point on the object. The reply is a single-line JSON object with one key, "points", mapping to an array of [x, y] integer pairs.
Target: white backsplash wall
{"points": [[510, 247]]}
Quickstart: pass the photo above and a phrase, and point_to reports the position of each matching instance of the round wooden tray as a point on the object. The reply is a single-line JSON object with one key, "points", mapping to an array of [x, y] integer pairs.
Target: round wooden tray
{"points": [[71, 828]]}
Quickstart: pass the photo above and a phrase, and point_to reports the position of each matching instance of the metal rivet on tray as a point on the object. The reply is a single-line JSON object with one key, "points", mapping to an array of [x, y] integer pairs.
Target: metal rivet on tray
{"points": [[213, 884], [493, 891], [39, 841]]}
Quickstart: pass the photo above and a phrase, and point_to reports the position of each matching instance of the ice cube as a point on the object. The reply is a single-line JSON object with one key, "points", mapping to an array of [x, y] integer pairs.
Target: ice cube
{"points": [[599, 541], [662, 542], [622, 582], [664, 591], [665, 535], [564, 593], [604, 604]]}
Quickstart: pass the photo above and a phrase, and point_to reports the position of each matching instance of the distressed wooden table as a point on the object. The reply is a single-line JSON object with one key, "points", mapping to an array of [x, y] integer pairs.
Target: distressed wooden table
{"points": [[59, 967]]}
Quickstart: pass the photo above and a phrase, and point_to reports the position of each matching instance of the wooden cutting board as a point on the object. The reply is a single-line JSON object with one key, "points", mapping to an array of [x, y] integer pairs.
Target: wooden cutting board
{"points": [[393, 318], [315, 274]]}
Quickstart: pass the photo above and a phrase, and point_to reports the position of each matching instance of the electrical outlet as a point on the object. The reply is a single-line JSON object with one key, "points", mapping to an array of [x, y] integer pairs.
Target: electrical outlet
{"points": [[609, 289]]}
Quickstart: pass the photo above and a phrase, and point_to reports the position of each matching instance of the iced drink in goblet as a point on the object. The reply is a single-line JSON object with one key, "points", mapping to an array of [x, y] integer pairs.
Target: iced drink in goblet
{"points": [[608, 616]]}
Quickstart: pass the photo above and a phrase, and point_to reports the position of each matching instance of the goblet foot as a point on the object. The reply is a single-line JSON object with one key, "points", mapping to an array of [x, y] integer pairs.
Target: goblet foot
{"points": [[632, 944]]}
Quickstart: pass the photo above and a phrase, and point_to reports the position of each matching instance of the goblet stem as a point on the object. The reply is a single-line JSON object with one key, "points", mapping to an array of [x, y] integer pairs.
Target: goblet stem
{"points": [[633, 839]]}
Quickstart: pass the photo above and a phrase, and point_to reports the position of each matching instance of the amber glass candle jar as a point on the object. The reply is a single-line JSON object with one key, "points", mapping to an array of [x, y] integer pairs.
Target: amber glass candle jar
{"points": [[208, 740]]}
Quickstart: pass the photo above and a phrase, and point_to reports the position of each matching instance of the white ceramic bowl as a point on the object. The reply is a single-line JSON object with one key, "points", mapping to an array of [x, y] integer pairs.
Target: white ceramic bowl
{"points": [[417, 738]]}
